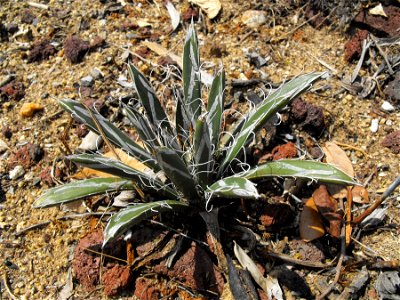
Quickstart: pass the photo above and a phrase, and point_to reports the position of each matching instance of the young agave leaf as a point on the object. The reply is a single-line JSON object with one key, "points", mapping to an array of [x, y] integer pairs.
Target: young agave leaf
{"points": [[126, 218], [177, 171], [117, 168], [183, 122], [79, 189], [215, 108], [202, 153], [143, 128], [234, 187], [191, 74], [149, 100], [114, 135], [260, 115], [300, 168]]}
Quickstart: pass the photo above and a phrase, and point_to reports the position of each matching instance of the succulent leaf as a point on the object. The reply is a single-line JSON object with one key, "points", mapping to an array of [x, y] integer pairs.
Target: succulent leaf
{"points": [[234, 187], [215, 108], [202, 153], [117, 168], [130, 216], [191, 74], [177, 171], [257, 118], [79, 189], [143, 128], [307, 169], [113, 134]]}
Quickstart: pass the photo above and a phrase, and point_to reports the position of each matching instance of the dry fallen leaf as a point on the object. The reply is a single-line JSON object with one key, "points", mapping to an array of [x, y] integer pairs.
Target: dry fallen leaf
{"points": [[174, 14], [125, 158], [360, 194], [378, 11], [327, 207], [269, 284], [338, 158], [311, 226], [211, 7], [28, 109]]}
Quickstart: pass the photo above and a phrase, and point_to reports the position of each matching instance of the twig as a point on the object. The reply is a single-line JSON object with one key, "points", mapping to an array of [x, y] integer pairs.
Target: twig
{"points": [[352, 147], [178, 232], [299, 262], [38, 5], [338, 266], [366, 45], [38, 225], [377, 203], [6, 80], [106, 255], [8, 288]]}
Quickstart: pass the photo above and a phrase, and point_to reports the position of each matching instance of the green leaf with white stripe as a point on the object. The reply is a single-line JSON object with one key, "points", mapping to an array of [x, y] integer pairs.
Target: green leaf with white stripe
{"points": [[143, 128], [113, 134], [262, 113], [117, 168], [215, 108], [233, 187], [177, 171], [82, 188], [312, 170], [191, 74], [130, 216], [202, 153]]}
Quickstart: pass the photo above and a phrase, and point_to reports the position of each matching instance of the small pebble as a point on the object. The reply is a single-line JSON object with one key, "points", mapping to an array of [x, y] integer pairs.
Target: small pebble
{"points": [[3, 146], [96, 74], [254, 18], [91, 142], [374, 125], [386, 106], [17, 172], [28, 109], [87, 81]]}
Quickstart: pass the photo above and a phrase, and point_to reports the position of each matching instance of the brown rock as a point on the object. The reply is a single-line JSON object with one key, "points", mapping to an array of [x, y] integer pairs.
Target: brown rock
{"points": [[299, 109], [392, 141], [41, 50], [14, 90], [27, 17], [75, 49], [353, 47], [145, 289], [86, 265], [116, 280], [47, 178], [307, 251], [310, 117], [287, 150], [190, 13], [195, 269], [26, 156], [379, 24], [276, 215]]}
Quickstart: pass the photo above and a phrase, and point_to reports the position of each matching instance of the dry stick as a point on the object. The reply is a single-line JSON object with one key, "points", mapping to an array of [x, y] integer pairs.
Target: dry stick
{"points": [[299, 262], [38, 225], [106, 255], [348, 225], [13, 297], [352, 147], [377, 203], [339, 264]]}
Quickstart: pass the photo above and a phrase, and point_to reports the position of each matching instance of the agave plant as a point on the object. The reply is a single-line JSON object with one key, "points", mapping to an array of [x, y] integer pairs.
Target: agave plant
{"points": [[197, 158]]}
